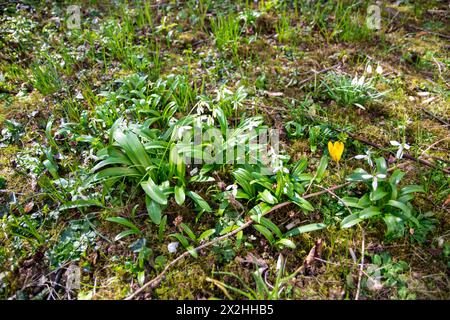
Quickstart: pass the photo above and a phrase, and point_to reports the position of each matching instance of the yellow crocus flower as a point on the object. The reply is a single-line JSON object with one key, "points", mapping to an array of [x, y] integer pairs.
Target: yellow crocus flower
{"points": [[336, 149]]}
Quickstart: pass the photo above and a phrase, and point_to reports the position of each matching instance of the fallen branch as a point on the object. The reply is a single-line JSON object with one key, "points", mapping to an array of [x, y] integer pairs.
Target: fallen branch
{"points": [[155, 281], [432, 115], [405, 155]]}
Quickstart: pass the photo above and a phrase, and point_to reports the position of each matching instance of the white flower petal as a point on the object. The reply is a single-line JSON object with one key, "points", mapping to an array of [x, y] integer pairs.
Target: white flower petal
{"points": [[172, 247]]}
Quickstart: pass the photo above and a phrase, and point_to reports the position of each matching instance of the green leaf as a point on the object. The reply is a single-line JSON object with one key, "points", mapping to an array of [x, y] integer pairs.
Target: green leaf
{"points": [[265, 232], [243, 178], [352, 202], [162, 228], [192, 251], [199, 201], [299, 167], [116, 172], [188, 231], [286, 243], [357, 175], [154, 192], [411, 189], [133, 148], [378, 194], [199, 178], [154, 210], [206, 234], [396, 176], [79, 204], [306, 228], [303, 203], [350, 221], [179, 195], [182, 239], [123, 222], [125, 233], [268, 224], [381, 165], [322, 168], [268, 197], [397, 204]]}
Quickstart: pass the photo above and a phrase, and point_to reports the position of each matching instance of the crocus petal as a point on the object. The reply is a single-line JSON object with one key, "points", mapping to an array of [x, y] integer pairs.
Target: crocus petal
{"points": [[331, 150], [339, 149]]}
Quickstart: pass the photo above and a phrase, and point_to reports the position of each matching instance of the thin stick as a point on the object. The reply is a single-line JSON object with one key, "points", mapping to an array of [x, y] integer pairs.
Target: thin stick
{"points": [[362, 264], [432, 115], [155, 281]]}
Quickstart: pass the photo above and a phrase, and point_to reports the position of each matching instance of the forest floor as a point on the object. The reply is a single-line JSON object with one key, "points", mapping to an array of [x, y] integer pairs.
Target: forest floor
{"points": [[95, 98]]}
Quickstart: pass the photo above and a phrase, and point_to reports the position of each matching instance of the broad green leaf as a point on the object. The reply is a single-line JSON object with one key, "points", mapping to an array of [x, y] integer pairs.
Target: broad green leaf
{"points": [[206, 234], [381, 165], [79, 204], [303, 203], [268, 224], [154, 192], [299, 167], [322, 168], [357, 175], [179, 195], [350, 221], [192, 251], [286, 243], [352, 202], [116, 172], [124, 222], [265, 232], [154, 210], [411, 189], [378, 194], [199, 201], [188, 231], [182, 239], [243, 178], [125, 233], [267, 197], [306, 228]]}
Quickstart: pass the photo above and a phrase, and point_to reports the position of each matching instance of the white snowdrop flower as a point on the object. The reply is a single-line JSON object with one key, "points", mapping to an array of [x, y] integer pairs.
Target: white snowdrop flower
{"points": [[369, 69], [79, 95], [281, 168], [233, 188], [400, 148], [200, 110], [172, 121], [172, 247], [366, 157], [379, 69], [374, 179], [361, 80], [280, 262], [179, 131], [355, 80], [210, 120]]}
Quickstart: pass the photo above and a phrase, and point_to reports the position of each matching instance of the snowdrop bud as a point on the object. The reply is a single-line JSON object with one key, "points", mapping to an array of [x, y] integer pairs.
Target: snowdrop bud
{"points": [[172, 247], [369, 69], [379, 70], [280, 262]]}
